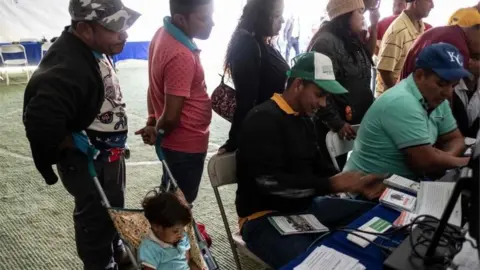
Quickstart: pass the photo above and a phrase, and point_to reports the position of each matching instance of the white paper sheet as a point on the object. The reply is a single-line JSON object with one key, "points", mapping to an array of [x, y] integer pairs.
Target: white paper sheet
{"points": [[325, 258], [433, 198]]}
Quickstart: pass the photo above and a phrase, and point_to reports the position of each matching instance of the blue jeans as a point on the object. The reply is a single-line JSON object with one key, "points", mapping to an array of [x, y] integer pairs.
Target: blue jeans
{"points": [[187, 169], [278, 250]]}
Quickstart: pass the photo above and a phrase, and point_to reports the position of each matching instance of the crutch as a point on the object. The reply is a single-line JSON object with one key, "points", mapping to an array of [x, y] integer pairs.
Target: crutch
{"points": [[83, 144], [202, 244]]}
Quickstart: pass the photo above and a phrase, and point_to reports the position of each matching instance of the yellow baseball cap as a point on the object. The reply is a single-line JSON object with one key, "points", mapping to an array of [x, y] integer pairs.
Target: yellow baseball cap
{"points": [[465, 17]]}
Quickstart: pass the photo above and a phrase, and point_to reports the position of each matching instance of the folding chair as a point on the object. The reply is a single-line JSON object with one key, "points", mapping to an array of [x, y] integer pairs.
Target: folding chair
{"points": [[45, 47], [14, 55], [337, 146], [222, 172]]}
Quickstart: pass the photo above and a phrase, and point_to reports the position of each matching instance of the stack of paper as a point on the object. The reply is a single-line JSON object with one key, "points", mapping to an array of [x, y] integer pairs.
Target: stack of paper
{"points": [[398, 200], [325, 258], [297, 224], [433, 198], [404, 219], [402, 183]]}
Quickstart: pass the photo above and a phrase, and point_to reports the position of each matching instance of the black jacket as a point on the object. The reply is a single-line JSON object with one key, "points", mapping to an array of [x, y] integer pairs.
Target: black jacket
{"points": [[461, 115], [258, 71], [353, 74], [279, 165], [64, 95]]}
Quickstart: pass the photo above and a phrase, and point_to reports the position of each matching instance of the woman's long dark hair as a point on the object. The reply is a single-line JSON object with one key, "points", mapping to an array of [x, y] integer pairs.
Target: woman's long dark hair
{"points": [[256, 19], [340, 27]]}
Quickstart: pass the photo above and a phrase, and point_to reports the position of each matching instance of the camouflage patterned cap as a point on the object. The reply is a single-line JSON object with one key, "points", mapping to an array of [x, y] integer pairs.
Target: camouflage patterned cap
{"points": [[111, 14]]}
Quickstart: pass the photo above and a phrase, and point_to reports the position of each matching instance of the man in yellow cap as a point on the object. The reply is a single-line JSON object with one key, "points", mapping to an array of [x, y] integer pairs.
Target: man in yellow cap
{"points": [[466, 17]]}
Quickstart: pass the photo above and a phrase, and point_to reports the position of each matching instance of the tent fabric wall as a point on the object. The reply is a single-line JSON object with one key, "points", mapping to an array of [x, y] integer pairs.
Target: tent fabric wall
{"points": [[26, 19], [29, 19], [34, 19]]}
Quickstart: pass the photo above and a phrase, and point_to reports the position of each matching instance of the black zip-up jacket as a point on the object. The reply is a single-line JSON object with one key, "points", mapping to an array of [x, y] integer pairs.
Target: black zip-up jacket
{"points": [[279, 164], [63, 96], [354, 75]]}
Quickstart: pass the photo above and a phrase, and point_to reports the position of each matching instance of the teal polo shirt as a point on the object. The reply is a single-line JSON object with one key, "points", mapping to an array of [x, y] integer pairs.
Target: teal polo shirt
{"points": [[397, 120]]}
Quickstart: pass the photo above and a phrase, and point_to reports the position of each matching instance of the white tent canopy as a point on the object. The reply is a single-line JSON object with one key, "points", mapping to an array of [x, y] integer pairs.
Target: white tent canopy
{"points": [[34, 19]]}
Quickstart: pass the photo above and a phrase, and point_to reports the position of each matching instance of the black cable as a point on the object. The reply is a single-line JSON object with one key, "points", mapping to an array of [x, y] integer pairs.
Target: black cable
{"points": [[452, 239], [389, 232], [372, 233], [320, 238], [382, 247], [352, 230], [475, 246]]}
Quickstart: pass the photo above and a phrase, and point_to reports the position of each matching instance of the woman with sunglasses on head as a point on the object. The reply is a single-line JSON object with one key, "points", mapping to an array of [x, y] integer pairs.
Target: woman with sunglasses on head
{"points": [[343, 39], [257, 69]]}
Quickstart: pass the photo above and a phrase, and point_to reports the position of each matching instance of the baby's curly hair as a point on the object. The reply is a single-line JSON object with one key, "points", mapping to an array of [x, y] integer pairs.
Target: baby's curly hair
{"points": [[166, 210]]}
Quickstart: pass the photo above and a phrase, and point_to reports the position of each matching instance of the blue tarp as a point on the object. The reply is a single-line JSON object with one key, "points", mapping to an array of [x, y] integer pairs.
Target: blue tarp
{"points": [[132, 50]]}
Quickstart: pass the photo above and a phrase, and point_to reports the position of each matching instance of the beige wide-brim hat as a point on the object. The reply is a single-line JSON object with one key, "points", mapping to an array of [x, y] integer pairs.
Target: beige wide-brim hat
{"points": [[337, 8]]}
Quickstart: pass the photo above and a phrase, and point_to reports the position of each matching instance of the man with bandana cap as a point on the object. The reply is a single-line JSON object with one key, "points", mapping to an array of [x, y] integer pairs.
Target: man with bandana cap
{"points": [[75, 90]]}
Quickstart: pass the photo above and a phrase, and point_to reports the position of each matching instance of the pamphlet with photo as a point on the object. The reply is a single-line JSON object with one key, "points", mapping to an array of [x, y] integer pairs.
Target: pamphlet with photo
{"points": [[398, 200], [297, 224]]}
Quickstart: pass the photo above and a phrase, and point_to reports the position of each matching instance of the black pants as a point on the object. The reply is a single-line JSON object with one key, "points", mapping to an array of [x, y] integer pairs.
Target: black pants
{"points": [[96, 237], [187, 169]]}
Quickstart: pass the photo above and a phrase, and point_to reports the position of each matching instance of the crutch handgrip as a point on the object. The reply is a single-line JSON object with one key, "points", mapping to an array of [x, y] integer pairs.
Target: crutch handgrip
{"points": [[82, 143]]}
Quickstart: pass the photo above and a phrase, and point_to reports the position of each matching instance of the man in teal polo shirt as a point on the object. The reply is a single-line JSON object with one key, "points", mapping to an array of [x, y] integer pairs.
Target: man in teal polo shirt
{"points": [[410, 130]]}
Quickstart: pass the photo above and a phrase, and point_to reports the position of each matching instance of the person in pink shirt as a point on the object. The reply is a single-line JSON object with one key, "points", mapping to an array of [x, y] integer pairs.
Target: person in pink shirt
{"points": [[178, 102]]}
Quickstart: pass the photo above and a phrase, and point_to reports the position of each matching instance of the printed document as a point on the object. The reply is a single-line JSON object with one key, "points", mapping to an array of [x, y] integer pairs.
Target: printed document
{"points": [[325, 258], [433, 198]]}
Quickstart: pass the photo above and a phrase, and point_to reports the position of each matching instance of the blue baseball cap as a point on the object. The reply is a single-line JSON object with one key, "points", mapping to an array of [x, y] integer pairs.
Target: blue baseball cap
{"points": [[443, 59]]}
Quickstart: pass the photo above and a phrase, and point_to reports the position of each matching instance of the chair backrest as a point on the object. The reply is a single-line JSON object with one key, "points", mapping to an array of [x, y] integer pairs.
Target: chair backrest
{"points": [[222, 170], [12, 48], [337, 146]]}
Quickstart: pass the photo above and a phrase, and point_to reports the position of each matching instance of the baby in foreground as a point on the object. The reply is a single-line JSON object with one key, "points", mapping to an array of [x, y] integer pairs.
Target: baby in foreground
{"points": [[167, 245]]}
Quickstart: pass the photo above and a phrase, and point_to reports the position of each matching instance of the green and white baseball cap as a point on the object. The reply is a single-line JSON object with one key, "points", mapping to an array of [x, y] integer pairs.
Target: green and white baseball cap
{"points": [[318, 68]]}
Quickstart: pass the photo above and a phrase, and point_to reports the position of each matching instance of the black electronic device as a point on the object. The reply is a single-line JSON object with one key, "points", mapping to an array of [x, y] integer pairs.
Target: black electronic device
{"points": [[474, 209], [431, 252]]}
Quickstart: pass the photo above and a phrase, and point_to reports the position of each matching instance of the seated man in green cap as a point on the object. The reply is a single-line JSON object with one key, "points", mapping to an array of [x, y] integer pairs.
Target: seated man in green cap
{"points": [[281, 171]]}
